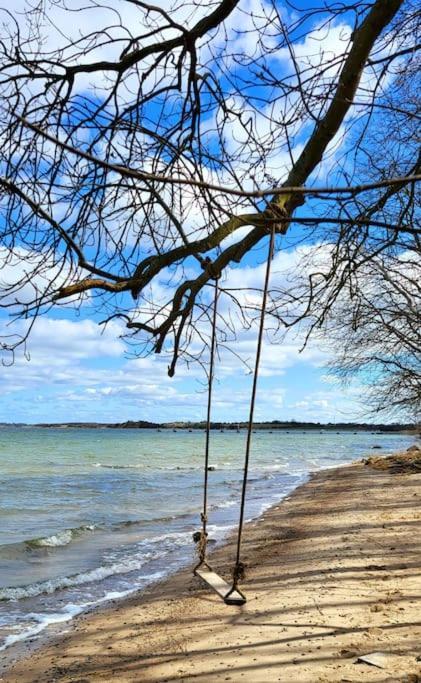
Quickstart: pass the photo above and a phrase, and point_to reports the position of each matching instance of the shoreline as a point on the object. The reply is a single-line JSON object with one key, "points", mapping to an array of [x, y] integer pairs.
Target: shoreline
{"points": [[265, 426], [311, 534], [26, 647]]}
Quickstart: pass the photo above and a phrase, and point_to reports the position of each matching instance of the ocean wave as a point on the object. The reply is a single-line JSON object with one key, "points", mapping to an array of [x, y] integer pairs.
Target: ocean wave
{"points": [[225, 504], [32, 590], [56, 540], [169, 539], [118, 467], [64, 537], [145, 466], [219, 531], [60, 538], [147, 549], [41, 621]]}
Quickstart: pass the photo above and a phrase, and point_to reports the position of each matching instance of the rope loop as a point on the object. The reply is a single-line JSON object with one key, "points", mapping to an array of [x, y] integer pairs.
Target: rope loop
{"points": [[239, 567], [238, 573], [202, 545]]}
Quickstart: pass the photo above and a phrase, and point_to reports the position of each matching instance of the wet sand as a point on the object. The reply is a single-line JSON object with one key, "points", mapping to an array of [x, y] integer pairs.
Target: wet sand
{"points": [[333, 573]]}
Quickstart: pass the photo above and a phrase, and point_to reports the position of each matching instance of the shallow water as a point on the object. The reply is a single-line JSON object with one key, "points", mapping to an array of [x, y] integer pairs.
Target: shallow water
{"points": [[91, 515]]}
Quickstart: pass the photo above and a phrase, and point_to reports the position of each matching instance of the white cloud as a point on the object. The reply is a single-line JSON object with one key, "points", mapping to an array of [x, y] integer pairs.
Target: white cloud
{"points": [[17, 279], [75, 373], [56, 349]]}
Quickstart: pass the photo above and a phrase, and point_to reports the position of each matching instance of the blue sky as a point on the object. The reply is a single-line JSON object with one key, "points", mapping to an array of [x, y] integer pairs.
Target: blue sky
{"points": [[74, 370]]}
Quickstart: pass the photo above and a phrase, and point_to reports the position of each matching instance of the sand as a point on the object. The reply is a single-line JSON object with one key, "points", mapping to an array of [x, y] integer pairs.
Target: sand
{"points": [[334, 573]]}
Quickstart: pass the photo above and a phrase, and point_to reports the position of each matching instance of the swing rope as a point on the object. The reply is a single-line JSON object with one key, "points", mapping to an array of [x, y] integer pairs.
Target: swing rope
{"points": [[239, 567], [203, 537]]}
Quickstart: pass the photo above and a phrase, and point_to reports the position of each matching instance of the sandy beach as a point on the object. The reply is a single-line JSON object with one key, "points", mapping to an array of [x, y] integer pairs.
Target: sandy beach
{"points": [[333, 573]]}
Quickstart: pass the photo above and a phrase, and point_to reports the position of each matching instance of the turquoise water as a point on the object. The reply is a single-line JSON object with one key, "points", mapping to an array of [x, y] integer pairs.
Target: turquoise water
{"points": [[91, 515]]}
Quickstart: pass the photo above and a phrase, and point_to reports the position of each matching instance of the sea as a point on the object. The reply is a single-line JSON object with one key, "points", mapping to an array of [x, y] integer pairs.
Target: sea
{"points": [[92, 515]]}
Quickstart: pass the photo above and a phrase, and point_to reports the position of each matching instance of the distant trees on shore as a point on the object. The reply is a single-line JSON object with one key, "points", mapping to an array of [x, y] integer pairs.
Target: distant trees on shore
{"points": [[273, 425]]}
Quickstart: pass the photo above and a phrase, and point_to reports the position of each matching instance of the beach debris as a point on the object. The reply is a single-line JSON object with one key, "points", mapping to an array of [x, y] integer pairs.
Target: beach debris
{"points": [[398, 463], [376, 608], [378, 659], [348, 652]]}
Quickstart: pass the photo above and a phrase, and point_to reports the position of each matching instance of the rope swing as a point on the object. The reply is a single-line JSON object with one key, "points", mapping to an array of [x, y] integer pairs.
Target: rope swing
{"points": [[202, 537], [231, 594]]}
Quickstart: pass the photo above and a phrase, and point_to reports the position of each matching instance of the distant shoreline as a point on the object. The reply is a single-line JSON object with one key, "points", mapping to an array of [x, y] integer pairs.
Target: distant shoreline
{"points": [[274, 425]]}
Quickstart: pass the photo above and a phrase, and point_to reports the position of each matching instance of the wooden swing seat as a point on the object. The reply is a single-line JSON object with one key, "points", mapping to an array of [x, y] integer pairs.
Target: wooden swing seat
{"points": [[220, 586]]}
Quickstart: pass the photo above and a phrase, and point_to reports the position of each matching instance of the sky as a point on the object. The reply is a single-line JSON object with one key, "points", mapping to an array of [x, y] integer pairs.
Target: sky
{"points": [[75, 370], [75, 373]]}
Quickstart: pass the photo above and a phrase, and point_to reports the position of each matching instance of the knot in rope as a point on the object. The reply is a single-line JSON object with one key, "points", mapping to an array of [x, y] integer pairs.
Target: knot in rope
{"points": [[239, 573], [201, 540], [196, 536]]}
